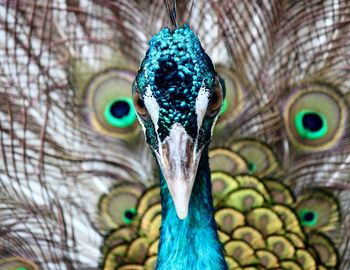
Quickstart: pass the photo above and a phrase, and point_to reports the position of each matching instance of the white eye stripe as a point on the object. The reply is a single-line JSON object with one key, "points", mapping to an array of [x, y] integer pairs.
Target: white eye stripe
{"points": [[152, 106], [202, 102], [141, 123]]}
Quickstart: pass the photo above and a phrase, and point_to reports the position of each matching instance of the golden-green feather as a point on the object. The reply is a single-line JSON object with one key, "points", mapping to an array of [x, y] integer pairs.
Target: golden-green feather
{"points": [[77, 192]]}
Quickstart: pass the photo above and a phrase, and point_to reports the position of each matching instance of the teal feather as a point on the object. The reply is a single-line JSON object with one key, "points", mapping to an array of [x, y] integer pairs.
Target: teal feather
{"points": [[192, 243]]}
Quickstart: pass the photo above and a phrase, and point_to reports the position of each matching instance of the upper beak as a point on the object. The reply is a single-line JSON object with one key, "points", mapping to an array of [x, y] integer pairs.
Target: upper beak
{"points": [[179, 160]]}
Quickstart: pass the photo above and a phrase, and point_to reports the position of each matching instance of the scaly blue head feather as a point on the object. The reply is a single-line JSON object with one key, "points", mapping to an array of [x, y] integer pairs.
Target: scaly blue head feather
{"points": [[174, 70]]}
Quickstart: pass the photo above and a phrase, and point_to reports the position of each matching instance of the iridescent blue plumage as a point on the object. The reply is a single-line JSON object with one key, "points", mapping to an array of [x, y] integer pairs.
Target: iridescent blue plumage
{"points": [[175, 68], [178, 96]]}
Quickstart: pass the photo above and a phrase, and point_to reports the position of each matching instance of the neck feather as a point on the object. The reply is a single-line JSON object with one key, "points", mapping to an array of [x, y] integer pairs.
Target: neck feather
{"points": [[191, 243]]}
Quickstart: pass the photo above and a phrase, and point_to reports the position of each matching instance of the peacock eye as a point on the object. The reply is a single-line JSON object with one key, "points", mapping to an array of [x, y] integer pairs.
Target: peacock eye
{"points": [[138, 104], [215, 101], [108, 105], [129, 215], [119, 112], [17, 263], [309, 116], [308, 217]]}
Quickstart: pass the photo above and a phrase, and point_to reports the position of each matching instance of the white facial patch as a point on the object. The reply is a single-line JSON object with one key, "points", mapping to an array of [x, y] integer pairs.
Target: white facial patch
{"points": [[141, 123], [152, 106], [202, 102]]}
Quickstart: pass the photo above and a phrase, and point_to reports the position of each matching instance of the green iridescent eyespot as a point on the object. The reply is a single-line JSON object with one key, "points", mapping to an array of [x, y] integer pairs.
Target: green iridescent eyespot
{"points": [[308, 217], [22, 268], [224, 107], [129, 215], [251, 167], [120, 112], [310, 124]]}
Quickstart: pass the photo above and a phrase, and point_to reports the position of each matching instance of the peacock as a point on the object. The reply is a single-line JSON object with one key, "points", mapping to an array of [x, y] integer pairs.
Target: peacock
{"points": [[174, 134]]}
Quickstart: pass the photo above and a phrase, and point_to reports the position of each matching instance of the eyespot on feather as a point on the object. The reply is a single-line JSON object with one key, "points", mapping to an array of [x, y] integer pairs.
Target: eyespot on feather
{"points": [[318, 210], [17, 263], [226, 161], [118, 207], [119, 112], [109, 107], [260, 158], [315, 117], [233, 102]]}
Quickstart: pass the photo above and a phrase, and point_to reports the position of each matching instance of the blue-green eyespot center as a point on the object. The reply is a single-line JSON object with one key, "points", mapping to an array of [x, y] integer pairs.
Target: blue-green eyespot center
{"points": [[120, 112], [308, 217], [251, 167], [310, 124], [129, 215], [224, 107]]}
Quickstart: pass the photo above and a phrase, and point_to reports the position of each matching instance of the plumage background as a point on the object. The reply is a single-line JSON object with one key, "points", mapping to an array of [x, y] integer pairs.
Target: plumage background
{"points": [[58, 156]]}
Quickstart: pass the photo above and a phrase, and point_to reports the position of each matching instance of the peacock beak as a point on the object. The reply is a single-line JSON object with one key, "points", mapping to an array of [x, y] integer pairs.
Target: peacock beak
{"points": [[179, 160]]}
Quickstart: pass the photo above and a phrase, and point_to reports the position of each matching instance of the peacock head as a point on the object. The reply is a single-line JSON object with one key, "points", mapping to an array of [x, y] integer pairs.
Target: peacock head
{"points": [[177, 95]]}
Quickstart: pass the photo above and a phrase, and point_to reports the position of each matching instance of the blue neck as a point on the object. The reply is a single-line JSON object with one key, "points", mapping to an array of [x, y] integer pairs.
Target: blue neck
{"points": [[191, 243]]}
